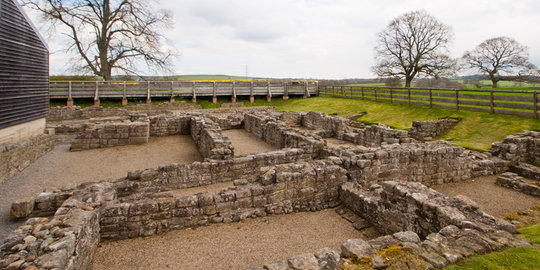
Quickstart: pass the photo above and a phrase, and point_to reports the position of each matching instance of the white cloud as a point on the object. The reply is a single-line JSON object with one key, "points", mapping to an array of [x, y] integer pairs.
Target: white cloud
{"points": [[321, 38]]}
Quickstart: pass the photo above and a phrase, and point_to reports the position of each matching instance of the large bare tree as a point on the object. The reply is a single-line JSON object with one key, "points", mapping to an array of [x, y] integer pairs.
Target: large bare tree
{"points": [[499, 58], [105, 35], [414, 44]]}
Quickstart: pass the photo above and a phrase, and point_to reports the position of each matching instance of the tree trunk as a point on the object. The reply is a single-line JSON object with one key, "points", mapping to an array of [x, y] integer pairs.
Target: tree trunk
{"points": [[494, 83], [408, 81]]}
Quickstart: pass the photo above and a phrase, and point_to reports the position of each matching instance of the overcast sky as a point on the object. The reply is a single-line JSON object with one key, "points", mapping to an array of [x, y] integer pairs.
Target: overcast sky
{"points": [[319, 38]]}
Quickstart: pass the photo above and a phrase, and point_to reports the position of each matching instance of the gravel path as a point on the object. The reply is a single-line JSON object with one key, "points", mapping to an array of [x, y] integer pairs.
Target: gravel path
{"points": [[247, 143], [492, 199], [229, 246], [60, 167]]}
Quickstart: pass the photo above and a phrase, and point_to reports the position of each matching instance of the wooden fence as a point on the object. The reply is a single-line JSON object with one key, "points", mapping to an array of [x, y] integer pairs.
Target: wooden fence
{"points": [[522, 103], [118, 89]]}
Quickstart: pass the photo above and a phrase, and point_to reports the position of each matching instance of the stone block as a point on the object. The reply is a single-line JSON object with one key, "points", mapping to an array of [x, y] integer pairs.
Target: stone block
{"points": [[21, 209]]}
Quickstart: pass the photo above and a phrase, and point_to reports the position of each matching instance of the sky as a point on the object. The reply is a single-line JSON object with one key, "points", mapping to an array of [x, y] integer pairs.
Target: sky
{"points": [[321, 39]]}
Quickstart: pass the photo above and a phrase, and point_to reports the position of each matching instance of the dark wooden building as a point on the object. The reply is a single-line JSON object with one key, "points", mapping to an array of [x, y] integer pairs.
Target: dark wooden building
{"points": [[24, 74]]}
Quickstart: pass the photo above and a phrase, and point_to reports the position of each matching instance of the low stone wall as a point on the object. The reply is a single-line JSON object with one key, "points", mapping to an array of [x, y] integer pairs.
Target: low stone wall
{"points": [[111, 134], [324, 125], [526, 170], [212, 143], [376, 135], [74, 113], [66, 240], [516, 182], [179, 176], [278, 134], [521, 147], [429, 130], [169, 125], [280, 189], [408, 206], [428, 163], [16, 157]]}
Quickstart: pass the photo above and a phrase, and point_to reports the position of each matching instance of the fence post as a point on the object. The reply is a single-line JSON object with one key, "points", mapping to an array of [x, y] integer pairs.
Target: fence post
{"points": [[409, 95], [233, 98], [306, 89], [251, 97], [194, 94], [285, 91], [375, 93], [69, 102], [96, 95], [269, 92], [457, 100], [214, 96], [351, 91], [391, 96], [431, 98], [492, 101], [172, 92], [333, 90], [317, 85], [148, 99], [535, 104], [124, 95], [362, 88]]}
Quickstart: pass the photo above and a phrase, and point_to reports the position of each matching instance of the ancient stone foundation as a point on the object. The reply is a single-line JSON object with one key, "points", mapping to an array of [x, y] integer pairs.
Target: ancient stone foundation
{"points": [[429, 130], [380, 175], [16, 157]]}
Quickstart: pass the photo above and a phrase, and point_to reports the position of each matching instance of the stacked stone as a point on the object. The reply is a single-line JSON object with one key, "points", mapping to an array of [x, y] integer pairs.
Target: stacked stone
{"points": [[16, 157], [168, 125], [431, 129], [427, 163], [179, 176], [403, 250], [279, 189], [324, 125], [66, 240], [521, 147], [112, 134], [293, 119], [45, 204], [210, 140], [526, 170], [516, 182], [377, 135], [229, 120], [396, 206]]}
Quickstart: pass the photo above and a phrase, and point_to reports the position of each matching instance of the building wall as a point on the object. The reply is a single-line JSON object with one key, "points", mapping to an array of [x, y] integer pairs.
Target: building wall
{"points": [[24, 68]]}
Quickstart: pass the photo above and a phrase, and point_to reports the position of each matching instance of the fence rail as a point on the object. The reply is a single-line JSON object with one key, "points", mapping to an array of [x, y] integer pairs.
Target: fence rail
{"points": [[118, 89], [522, 103]]}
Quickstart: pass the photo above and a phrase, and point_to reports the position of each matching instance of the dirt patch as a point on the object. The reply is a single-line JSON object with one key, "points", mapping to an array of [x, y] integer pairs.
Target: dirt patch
{"points": [[60, 167], [492, 199], [247, 143], [229, 246]]}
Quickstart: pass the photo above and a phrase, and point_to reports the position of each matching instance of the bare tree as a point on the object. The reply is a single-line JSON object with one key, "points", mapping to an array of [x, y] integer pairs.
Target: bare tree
{"points": [[500, 57], [110, 34], [414, 44]]}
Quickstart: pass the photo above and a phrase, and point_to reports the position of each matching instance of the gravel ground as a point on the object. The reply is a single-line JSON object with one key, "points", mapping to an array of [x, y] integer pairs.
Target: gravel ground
{"points": [[492, 199], [60, 167], [229, 246], [247, 143]]}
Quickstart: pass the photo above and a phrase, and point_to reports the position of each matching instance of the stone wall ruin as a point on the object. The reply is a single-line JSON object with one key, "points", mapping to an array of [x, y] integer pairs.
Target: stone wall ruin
{"points": [[380, 178]]}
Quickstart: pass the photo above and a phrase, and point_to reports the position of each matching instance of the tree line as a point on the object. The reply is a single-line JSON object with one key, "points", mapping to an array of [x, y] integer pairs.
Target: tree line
{"points": [[415, 44]]}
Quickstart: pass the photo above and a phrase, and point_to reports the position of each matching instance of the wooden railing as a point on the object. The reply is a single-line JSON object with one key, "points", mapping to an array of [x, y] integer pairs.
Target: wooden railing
{"points": [[522, 103], [124, 89]]}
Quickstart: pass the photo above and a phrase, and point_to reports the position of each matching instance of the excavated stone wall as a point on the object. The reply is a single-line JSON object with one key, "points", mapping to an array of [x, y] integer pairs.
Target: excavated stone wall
{"points": [[16, 157], [212, 143], [428, 163], [429, 130], [72, 113], [111, 134], [521, 147], [281, 189]]}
